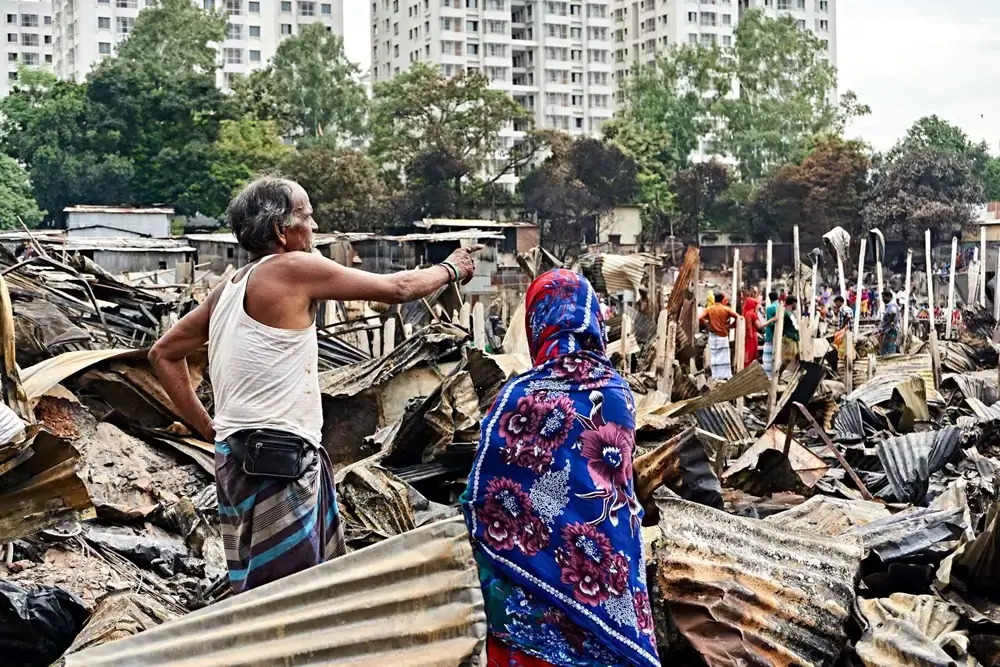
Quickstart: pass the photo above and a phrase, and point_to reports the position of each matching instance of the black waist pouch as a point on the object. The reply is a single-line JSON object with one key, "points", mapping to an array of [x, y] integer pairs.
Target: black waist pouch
{"points": [[270, 453]]}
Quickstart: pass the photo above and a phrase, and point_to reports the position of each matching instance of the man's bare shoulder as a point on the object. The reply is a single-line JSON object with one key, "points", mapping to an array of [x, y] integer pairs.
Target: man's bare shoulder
{"points": [[301, 265]]}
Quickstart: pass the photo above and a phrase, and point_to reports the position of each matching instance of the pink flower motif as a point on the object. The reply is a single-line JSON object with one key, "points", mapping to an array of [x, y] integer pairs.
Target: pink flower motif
{"points": [[532, 457], [581, 370], [608, 451], [583, 560], [534, 536], [498, 528], [521, 422], [640, 600], [555, 420], [618, 574]]}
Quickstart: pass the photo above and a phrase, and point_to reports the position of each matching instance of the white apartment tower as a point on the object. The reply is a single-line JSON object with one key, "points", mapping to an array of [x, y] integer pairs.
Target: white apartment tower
{"points": [[87, 30], [644, 27], [553, 57], [28, 40]]}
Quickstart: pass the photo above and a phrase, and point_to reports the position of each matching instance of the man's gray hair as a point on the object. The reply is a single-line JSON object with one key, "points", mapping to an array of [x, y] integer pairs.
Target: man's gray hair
{"points": [[252, 213]]}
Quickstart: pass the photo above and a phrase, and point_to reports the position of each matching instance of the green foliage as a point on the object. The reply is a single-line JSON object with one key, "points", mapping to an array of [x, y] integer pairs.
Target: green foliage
{"points": [[698, 197], [581, 181], [310, 88], [16, 201], [991, 180], [784, 84], [173, 36], [345, 188]]}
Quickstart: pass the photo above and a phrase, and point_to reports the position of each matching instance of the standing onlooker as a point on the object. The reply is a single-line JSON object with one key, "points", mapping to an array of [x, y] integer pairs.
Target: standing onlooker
{"points": [[720, 318], [845, 318], [889, 330], [769, 316], [789, 334], [751, 317]]}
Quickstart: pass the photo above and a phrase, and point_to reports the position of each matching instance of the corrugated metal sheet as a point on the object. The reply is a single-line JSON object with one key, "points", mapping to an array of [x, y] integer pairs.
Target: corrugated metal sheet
{"points": [[856, 422], [840, 242], [750, 380], [909, 460], [747, 592], [900, 366], [46, 374], [912, 389], [681, 465], [829, 516], [413, 600], [680, 291], [723, 419], [763, 469], [906, 630], [982, 411], [911, 533], [972, 386]]}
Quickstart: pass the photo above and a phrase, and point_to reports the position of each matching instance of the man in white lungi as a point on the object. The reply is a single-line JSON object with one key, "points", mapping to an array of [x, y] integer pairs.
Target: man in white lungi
{"points": [[720, 318]]}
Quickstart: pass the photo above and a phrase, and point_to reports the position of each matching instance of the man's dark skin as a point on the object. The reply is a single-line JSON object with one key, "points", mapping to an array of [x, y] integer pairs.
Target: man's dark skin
{"points": [[283, 293]]}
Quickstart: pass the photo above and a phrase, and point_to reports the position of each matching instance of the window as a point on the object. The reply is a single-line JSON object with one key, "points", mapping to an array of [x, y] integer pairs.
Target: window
{"points": [[47, 39], [471, 4], [576, 55], [395, 29], [234, 7], [496, 27], [472, 49], [233, 56], [575, 33], [286, 29], [579, 123], [727, 40], [286, 7], [576, 77], [12, 57], [708, 19], [801, 24], [472, 26], [125, 24], [575, 10], [823, 5], [692, 17], [395, 51], [254, 31], [29, 39], [12, 76], [727, 19], [104, 48], [692, 38], [209, 5], [48, 58], [29, 20], [326, 9], [800, 4], [783, 5], [48, 20], [253, 7], [104, 23], [234, 31], [12, 38], [11, 19], [823, 25], [125, 4], [709, 39], [309, 9], [254, 56]]}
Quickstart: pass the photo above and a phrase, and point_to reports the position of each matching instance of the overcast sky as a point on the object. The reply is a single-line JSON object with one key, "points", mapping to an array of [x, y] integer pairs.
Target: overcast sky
{"points": [[904, 58]]}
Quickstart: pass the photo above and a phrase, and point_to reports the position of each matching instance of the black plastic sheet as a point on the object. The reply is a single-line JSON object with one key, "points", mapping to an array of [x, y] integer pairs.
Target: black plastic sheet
{"points": [[37, 624]]}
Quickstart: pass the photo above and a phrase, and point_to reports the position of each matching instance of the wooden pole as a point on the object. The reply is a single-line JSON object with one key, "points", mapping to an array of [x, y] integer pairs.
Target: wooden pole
{"points": [[661, 341], [696, 291], [935, 357], [870, 373], [813, 306], [626, 341], [951, 287], [666, 382], [908, 297], [769, 260], [848, 361], [465, 317], [389, 336], [796, 268], [736, 278], [878, 277], [982, 266], [861, 284], [741, 342], [996, 291], [479, 325], [779, 329]]}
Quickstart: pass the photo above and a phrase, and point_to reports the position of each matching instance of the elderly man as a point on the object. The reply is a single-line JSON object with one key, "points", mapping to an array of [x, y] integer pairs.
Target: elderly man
{"points": [[277, 501]]}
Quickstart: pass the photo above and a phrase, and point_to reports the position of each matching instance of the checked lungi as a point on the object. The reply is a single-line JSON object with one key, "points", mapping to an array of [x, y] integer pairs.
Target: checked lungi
{"points": [[272, 528], [718, 350], [768, 359]]}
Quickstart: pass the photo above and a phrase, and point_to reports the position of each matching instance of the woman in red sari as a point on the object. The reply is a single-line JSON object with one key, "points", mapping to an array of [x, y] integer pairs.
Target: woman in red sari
{"points": [[753, 324]]}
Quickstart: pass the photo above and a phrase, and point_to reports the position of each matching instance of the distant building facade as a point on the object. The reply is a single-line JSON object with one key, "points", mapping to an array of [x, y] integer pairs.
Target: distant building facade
{"points": [[117, 221]]}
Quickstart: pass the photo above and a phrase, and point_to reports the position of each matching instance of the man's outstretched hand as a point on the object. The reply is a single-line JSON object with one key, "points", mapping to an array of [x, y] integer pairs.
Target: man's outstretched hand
{"points": [[465, 262]]}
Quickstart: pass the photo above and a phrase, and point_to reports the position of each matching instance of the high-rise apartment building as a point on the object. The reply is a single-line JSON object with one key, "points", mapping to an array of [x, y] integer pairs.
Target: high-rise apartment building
{"points": [[644, 27], [552, 57], [28, 40], [85, 31]]}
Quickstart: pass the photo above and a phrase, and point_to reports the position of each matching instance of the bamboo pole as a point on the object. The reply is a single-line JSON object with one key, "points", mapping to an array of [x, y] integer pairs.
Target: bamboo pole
{"points": [[479, 325], [666, 382], [741, 342], [661, 341], [736, 277], [935, 357], [389, 336], [861, 284], [796, 268], [951, 287], [769, 260], [779, 329], [813, 306], [626, 342], [982, 266], [696, 292], [906, 304], [848, 361], [879, 277]]}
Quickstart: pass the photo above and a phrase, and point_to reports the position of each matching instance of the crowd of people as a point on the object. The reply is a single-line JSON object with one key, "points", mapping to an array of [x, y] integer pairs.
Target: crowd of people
{"points": [[837, 312]]}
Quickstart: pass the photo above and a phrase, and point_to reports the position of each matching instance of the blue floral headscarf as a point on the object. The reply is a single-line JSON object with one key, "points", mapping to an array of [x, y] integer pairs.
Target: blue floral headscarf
{"points": [[550, 502]]}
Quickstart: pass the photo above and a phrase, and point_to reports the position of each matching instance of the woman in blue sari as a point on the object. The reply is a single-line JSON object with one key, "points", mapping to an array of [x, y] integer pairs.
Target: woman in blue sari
{"points": [[550, 505]]}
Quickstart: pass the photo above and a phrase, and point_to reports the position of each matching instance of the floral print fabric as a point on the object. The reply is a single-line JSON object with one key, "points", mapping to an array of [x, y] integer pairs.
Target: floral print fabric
{"points": [[550, 502]]}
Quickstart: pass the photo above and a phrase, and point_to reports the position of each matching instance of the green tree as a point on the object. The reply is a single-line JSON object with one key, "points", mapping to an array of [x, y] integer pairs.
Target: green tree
{"points": [[784, 87], [991, 180], [698, 197], [17, 203], [345, 187], [310, 88], [581, 181], [829, 188], [174, 36]]}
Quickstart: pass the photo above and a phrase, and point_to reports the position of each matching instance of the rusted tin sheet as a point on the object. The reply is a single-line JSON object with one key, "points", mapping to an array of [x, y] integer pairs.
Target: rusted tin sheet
{"points": [[984, 412], [43, 490], [829, 516], [906, 630], [747, 592], [683, 282], [763, 469], [912, 390], [723, 420], [750, 380], [910, 533], [971, 385], [895, 368], [413, 600], [681, 465], [44, 375]]}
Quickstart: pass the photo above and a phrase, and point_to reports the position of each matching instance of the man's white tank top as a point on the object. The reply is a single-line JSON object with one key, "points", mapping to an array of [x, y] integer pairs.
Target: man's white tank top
{"points": [[262, 377]]}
